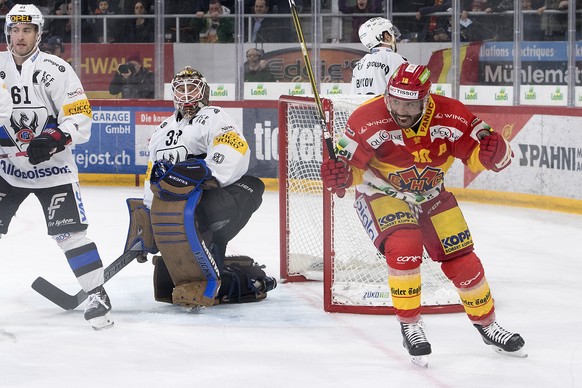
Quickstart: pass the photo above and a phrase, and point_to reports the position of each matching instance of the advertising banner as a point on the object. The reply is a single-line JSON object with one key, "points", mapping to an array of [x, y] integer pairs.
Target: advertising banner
{"points": [[99, 62], [120, 137]]}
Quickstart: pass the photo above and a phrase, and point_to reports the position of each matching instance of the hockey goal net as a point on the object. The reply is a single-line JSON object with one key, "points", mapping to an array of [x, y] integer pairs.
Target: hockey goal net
{"points": [[322, 238]]}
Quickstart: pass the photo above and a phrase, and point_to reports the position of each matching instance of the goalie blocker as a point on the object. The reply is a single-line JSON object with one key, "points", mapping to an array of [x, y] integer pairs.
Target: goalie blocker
{"points": [[191, 227]]}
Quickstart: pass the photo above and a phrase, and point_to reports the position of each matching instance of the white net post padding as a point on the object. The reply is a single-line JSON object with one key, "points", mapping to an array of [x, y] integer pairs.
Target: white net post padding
{"points": [[355, 274]]}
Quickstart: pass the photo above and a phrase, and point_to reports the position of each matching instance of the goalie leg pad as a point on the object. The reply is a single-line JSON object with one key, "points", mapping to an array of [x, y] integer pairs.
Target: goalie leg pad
{"points": [[140, 226], [185, 254], [191, 294], [244, 280]]}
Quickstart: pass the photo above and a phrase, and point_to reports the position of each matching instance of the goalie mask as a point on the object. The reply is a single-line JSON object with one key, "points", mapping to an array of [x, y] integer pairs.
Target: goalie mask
{"points": [[190, 92], [371, 33], [23, 14], [407, 94]]}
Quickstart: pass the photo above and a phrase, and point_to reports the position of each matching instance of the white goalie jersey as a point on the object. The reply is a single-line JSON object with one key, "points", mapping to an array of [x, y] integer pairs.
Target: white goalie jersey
{"points": [[45, 93], [212, 135]]}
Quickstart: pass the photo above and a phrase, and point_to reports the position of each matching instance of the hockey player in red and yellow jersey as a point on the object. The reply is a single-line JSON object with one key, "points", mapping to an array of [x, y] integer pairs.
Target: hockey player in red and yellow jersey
{"points": [[396, 151]]}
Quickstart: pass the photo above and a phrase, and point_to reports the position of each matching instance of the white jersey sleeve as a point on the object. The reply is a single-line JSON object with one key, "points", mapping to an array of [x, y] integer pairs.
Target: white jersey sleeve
{"points": [[46, 93], [372, 72], [212, 134], [5, 108]]}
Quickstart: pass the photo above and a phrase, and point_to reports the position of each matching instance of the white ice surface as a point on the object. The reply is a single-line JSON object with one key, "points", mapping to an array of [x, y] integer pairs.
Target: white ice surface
{"points": [[533, 260]]}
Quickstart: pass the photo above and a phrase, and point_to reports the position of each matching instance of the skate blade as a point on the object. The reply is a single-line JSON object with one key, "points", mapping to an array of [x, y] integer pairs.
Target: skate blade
{"points": [[420, 361], [103, 322], [518, 353]]}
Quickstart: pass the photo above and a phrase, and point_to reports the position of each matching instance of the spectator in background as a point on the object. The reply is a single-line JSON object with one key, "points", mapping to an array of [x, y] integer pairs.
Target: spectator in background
{"points": [[554, 25], [433, 25], [64, 27], [256, 68], [58, 26], [127, 6], [531, 22], [211, 27], [181, 7], [361, 7], [53, 45], [504, 21], [265, 30], [5, 6], [407, 25], [132, 79], [105, 9], [276, 6], [139, 29]]}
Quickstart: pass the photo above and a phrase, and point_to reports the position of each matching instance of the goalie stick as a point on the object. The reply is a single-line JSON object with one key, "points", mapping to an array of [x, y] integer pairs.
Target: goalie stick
{"points": [[325, 129], [70, 302]]}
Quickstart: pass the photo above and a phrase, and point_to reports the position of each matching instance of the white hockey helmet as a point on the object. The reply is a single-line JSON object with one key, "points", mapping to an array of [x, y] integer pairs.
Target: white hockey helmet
{"points": [[372, 31], [190, 92], [24, 13]]}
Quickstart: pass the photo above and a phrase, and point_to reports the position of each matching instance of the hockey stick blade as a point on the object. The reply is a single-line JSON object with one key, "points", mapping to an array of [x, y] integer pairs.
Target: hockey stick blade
{"points": [[70, 302]]}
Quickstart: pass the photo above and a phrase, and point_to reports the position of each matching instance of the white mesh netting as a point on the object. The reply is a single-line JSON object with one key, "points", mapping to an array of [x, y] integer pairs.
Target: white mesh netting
{"points": [[359, 271]]}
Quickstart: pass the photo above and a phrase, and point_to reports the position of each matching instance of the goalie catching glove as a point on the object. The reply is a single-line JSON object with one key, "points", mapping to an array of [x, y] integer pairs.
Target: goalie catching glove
{"points": [[49, 142], [175, 182], [336, 176], [494, 152]]}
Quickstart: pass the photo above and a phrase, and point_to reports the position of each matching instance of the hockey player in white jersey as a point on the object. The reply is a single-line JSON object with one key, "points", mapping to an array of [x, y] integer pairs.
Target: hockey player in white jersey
{"points": [[50, 114], [372, 72], [200, 150]]}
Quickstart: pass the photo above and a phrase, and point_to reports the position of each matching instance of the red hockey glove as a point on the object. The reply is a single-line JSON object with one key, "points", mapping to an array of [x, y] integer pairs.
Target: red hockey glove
{"points": [[336, 176], [494, 152], [49, 142]]}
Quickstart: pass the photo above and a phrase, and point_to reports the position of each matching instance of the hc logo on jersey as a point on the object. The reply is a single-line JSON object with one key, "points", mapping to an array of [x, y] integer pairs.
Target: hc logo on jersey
{"points": [[24, 126], [416, 181], [56, 200]]}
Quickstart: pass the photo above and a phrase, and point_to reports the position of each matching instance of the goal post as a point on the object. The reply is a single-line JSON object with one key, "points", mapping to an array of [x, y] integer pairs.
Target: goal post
{"points": [[321, 235]]}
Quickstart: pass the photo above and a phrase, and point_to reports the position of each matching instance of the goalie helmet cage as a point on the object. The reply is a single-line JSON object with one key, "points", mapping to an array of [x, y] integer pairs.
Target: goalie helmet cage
{"points": [[321, 236]]}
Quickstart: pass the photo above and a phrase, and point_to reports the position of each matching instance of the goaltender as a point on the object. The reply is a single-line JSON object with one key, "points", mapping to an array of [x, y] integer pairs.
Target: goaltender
{"points": [[198, 198]]}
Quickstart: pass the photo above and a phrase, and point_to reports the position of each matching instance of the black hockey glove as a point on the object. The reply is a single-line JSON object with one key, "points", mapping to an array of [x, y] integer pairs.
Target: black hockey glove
{"points": [[49, 142]]}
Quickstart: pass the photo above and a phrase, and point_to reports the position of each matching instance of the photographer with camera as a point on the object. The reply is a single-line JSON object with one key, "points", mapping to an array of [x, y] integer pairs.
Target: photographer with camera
{"points": [[132, 80]]}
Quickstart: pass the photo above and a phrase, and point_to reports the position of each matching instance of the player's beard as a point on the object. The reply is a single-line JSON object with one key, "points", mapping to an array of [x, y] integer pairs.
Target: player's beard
{"points": [[405, 121], [22, 50]]}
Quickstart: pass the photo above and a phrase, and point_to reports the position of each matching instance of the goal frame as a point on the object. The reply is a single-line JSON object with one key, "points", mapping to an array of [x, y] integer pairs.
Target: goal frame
{"points": [[328, 253]]}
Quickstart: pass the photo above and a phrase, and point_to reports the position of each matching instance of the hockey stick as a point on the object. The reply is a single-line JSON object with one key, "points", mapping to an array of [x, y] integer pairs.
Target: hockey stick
{"points": [[326, 133], [14, 155], [70, 302]]}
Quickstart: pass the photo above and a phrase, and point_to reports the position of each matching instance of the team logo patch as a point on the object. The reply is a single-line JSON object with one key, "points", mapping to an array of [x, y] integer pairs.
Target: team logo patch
{"points": [[415, 181], [233, 140], [78, 107]]}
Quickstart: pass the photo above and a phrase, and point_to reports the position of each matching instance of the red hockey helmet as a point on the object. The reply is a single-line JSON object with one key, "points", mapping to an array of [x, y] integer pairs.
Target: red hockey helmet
{"points": [[409, 82], [407, 94]]}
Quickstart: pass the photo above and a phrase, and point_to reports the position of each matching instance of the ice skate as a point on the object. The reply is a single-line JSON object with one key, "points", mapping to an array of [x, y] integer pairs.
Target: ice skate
{"points": [[503, 341], [98, 308], [414, 340]]}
